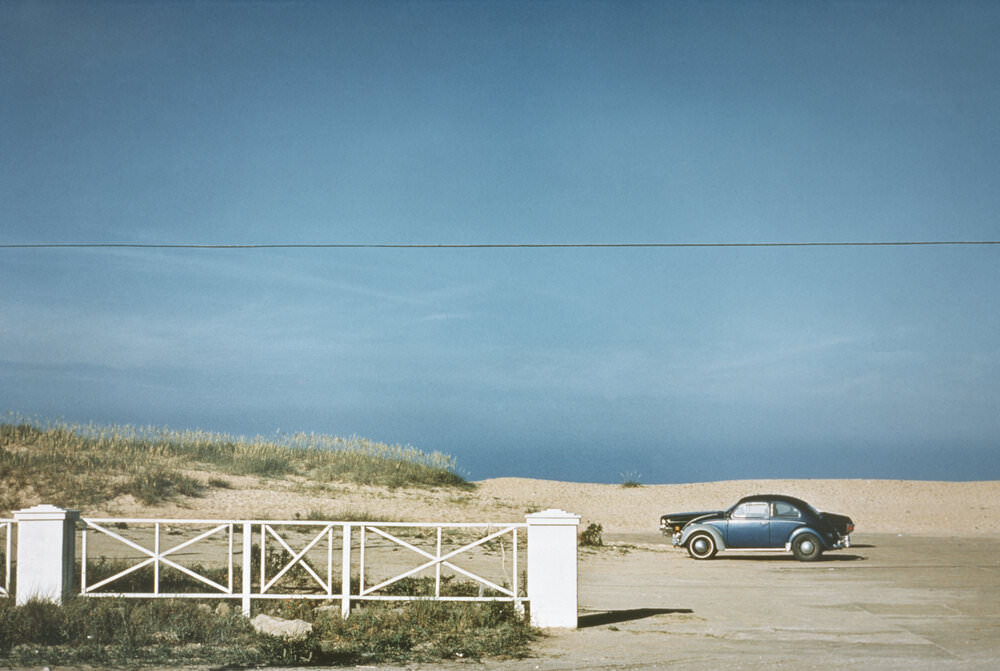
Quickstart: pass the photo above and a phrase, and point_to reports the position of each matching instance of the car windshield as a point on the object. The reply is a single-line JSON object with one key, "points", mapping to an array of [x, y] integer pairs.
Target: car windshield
{"points": [[751, 509]]}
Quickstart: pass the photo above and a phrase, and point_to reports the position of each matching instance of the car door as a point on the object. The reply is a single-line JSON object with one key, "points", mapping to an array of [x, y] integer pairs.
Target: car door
{"points": [[748, 525], [785, 519]]}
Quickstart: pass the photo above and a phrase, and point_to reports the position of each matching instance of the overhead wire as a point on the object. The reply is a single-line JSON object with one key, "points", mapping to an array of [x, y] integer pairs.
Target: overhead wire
{"points": [[486, 245]]}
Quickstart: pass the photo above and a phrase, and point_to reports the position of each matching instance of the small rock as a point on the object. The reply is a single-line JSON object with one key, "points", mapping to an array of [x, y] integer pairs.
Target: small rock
{"points": [[165, 637], [275, 626]]}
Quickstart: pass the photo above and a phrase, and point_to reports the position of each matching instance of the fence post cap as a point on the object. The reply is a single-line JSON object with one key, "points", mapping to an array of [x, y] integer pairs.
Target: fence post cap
{"points": [[45, 511], [553, 516]]}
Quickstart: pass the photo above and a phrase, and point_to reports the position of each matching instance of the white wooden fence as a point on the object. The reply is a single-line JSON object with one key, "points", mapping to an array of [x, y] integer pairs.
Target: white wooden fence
{"points": [[345, 561]]}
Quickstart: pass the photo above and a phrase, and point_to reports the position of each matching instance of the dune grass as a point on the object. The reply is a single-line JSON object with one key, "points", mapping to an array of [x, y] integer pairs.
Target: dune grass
{"points": [[80, 465]]}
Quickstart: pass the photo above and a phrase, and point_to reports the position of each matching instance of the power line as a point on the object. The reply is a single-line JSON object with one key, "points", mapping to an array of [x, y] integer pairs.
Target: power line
{"points": [[487, 245]]}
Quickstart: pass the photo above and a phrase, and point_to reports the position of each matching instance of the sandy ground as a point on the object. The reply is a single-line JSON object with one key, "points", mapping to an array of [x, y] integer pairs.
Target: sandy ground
{"points": [[877, 506]]}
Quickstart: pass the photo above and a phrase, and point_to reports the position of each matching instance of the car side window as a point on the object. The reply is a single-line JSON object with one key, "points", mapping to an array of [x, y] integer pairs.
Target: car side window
{"points": [[785, 510], [751, 510]]}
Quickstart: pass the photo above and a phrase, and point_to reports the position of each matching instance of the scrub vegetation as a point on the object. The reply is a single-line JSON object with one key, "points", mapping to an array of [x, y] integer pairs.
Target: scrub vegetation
{"points": [[81, 465], [126, 632]]}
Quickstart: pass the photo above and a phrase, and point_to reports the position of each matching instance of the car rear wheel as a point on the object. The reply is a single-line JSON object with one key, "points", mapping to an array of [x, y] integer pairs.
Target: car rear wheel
{"points": [[806, 548], [701, 546]]}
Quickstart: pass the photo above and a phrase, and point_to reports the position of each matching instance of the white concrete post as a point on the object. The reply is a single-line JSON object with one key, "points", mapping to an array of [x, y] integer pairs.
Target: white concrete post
{"points": [[46, 550], [552, 588]]}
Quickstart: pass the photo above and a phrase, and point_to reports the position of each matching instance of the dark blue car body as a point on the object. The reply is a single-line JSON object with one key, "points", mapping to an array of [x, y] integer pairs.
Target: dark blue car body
{"points": [[763, 522]]}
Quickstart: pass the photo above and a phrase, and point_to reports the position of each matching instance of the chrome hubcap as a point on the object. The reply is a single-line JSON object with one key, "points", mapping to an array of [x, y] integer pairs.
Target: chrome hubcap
{"points": [[701, 546], [806, 547]]}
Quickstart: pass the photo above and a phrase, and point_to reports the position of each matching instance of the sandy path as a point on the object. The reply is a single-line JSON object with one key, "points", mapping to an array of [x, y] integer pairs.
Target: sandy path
{"points": [[877, 506]]}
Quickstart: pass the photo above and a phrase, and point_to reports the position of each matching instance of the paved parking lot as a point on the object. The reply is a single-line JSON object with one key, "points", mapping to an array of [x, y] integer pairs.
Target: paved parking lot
{"points": [[890, 602]]}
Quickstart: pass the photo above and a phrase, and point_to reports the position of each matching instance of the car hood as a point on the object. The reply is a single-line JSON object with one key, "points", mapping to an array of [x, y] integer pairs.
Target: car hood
{"points": [[683, 518]]}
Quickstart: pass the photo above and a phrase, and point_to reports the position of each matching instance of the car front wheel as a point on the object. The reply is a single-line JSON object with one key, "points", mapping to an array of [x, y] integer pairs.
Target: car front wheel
{"points": [[701, 546], [806, 548]]}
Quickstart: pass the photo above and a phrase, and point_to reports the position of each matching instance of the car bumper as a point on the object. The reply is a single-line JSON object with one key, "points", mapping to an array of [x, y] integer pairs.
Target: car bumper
{"points": [[676, 538], [842, 542]]}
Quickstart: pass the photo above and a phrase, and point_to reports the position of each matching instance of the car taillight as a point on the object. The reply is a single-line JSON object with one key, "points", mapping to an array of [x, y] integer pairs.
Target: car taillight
{"points": [[850, 527]]}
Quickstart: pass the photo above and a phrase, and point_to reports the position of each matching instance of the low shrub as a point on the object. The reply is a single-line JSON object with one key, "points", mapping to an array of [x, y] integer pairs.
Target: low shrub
{"points": [[159, 484], [591, 536]]}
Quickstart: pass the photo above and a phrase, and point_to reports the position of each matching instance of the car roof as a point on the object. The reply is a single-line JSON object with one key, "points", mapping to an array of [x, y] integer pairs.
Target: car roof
{"points": [[775, 497]]}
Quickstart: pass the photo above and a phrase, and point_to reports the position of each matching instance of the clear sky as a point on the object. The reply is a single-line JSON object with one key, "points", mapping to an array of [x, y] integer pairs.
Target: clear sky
{"points": [[514, 122]]}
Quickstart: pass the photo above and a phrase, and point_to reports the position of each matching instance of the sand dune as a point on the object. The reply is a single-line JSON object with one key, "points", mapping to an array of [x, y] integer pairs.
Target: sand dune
{"points": [[877, 506]]}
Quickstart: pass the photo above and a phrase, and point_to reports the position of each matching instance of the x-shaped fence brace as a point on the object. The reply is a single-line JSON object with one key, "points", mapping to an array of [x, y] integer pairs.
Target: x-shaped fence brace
{"points": [[155, 557], [298, 558], [438, 560]]}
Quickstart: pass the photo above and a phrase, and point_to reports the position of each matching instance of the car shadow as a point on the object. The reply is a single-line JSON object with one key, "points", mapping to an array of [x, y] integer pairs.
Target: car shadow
{"points": [[627, 615], [824, 559]]}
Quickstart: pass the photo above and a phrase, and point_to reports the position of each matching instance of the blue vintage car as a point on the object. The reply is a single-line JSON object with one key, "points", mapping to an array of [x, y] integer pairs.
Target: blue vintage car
{"points": [[763, 522]]}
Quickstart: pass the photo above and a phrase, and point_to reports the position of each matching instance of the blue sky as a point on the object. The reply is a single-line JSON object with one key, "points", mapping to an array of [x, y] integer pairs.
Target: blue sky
{"points": [[514, 122]]}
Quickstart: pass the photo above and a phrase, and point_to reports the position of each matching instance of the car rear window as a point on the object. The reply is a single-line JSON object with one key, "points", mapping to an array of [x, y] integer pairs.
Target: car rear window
{"points": [[782, 509]]}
